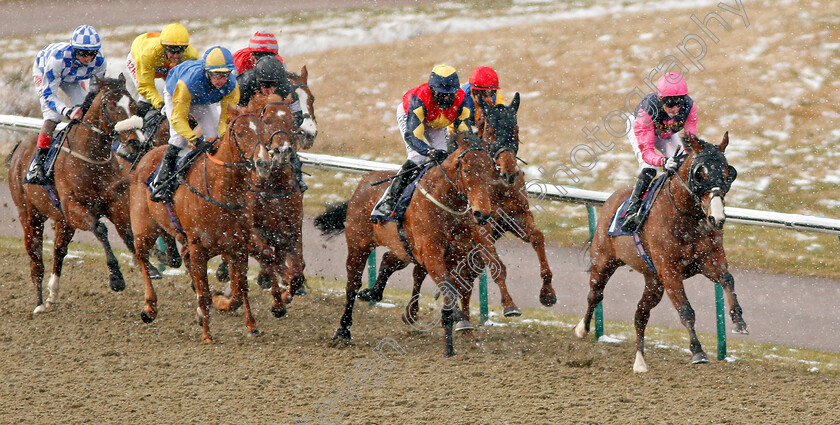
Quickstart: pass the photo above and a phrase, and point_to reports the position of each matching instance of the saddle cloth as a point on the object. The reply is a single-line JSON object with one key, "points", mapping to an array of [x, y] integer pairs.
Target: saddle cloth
{"points": [[402, 203], [647, 201]]}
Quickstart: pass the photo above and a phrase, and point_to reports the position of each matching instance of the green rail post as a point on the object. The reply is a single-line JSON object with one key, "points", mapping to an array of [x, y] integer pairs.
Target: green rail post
{"points": [[599, 310], [162, 248], [721, 323], [372, 272], [484, 311]]}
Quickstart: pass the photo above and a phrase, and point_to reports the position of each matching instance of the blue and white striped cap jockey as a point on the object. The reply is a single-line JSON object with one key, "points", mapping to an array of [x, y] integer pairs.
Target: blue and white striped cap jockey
{"points": [[85, 38]]}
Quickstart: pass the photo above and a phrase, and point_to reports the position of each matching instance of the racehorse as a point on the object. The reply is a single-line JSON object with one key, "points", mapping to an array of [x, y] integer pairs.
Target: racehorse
{"points": [[499, 131], [88, 185], [309, 127], [213, 192], [683, 236], [436, 230]]}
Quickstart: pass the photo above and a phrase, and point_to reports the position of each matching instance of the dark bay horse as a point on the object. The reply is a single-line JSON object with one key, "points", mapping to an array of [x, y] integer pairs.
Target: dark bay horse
{"points": [[211, 206], [683, 236], [499, 131], [88, 183], [437, 227]]}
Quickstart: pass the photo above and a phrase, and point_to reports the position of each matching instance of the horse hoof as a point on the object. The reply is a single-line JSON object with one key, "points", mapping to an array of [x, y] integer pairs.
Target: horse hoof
{"points": [[741, 328], [39, 309], [369, 295], [253, 333], [449, 352], [342, 334], [580, 330], [117, 282], [146, 318], [463, 325], [512, 311], [264, 281], [700, 357], [174, 262], [154, 273], [278, 312], [548, 301]]}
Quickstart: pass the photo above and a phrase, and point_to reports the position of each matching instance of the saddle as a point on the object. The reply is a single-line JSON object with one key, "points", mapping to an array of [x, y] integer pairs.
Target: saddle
{"points": [[186, 157], [647, 202], [52, 154], [402, 202]]}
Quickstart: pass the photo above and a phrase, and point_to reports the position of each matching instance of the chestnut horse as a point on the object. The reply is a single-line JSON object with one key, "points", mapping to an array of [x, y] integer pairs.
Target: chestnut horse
{"points": [[683, 236], [88, 183], [436, 230], [213, 192], [309, 126], [499, 131]]}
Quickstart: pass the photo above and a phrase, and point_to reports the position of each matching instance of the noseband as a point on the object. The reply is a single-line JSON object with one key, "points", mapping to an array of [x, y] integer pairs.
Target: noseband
{"points": [[454, 185]]}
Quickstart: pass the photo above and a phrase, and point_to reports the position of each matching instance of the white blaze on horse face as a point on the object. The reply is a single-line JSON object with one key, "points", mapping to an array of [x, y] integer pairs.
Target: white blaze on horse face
{"points": [[253, 126], [124, 103], [716, 210], [308, 126], [281, 113]]}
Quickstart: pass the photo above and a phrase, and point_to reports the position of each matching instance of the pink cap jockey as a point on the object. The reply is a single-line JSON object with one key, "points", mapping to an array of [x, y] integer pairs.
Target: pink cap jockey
{"points": [[662, 114]]}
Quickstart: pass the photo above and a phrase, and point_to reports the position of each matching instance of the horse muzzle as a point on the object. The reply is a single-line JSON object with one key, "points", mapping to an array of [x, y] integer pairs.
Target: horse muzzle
{"points": [[481, 218], [716, 214]]}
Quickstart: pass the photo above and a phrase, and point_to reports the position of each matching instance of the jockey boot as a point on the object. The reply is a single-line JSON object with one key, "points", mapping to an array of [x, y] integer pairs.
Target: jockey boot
{"points": [[296, 168], [406, 174], [632, 217], [36, 173], [163, 187]]}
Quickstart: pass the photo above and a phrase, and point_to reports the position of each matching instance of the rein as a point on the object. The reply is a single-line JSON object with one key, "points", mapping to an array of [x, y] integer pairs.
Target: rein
{"points": [[451, 183], [695, 198], [107, 136]]}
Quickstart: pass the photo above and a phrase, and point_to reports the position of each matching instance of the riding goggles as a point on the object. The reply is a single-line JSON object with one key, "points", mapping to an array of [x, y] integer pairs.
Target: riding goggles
{"points": [[174, 50], [86, 53], [671, 101]]}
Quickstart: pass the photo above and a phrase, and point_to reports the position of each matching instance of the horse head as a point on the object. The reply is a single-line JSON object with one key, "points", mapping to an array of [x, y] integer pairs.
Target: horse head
{"points": [[309, 127], [474, 173], [276, 128], [241, 145], [708, 177], [110, 112], [501, 135]]}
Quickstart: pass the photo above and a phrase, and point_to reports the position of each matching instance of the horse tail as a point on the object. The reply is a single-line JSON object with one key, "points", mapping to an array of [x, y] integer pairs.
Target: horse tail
{"points": [[12, 153], [331, 222]]}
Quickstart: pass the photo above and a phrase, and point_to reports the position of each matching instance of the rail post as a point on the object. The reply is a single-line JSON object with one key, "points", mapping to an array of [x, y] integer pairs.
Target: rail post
{"points": [[484, 311], [599, 310], [721, 323], [372, 272]]}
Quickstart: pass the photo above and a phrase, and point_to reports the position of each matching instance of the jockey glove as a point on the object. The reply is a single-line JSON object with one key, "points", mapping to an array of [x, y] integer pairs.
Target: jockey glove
{"points": [[68, 111], [671, 165], [438, 155]]}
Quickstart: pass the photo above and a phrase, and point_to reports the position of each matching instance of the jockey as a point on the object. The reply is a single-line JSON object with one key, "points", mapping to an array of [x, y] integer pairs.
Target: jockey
{"points": [[262, 43], [482, 90], [65, 66], [426, 111], [658, 118], [152, 55], [267, 77], [193, 88]]}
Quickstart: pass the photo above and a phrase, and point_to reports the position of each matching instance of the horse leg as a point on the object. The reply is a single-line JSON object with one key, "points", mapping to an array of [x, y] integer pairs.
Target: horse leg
{"points": [[63, 235], [715, 269], [356, 259], [198, 271], [173, 257], [33, 235], [389, 265], [498, 271], [117, 283], [533, 235], [676, 292], [462, 315], [143, 243], [436, 266], [295, 265], [238, 265], [650, 298], [598, 278], [410, 314]]}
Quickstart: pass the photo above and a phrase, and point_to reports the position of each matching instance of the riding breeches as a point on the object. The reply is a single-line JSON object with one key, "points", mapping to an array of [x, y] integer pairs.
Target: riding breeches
{"points": [[207, 117], [436, 137], [668, 146], [75, 91]]}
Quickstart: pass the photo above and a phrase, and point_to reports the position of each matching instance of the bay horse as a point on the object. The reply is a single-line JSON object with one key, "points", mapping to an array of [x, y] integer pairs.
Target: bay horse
{"points": [[683, 236], [436, 230], [211, 208], [88, 186], [499, 131]]}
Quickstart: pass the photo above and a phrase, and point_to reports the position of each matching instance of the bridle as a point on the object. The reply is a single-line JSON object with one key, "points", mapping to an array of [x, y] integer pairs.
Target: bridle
{"points": [[109, 123], [454, 184]]}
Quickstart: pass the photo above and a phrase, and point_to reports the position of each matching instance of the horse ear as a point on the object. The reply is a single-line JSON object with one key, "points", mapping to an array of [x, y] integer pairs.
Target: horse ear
{"points": [[233, 112], [724, 143], [304, 73], [515, 102], [695, 144], [121, 79]]}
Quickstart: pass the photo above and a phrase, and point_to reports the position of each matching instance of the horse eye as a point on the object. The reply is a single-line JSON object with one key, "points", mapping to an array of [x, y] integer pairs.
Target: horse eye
{"points": [[700, 174]]}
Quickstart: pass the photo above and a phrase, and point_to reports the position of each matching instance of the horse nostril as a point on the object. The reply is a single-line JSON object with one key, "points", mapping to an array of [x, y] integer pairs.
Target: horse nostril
{"points": [[480, 217]]}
